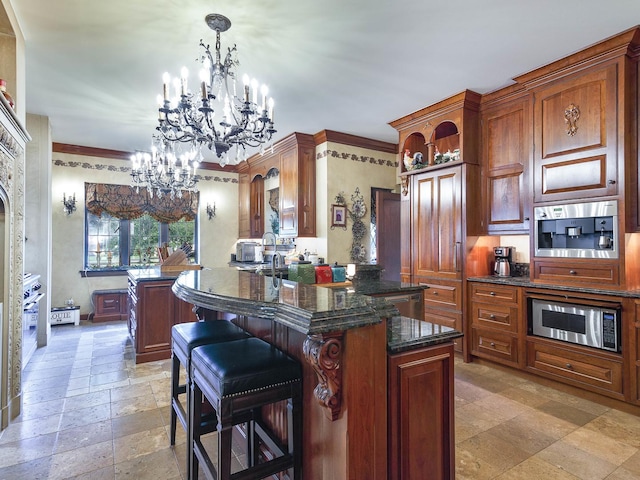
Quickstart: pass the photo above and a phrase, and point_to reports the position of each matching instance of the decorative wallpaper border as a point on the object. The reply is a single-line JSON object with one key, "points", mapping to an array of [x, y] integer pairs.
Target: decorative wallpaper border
{"points": [[357, 158], [127, 170]]}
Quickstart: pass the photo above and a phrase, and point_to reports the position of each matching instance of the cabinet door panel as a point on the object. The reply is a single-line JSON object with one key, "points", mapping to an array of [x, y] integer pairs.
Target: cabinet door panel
{"points": [[425, 224], [244, 196], [590, 127], [505, 195], [257, 207], [576, 142], [288, 192], [449, 223]]}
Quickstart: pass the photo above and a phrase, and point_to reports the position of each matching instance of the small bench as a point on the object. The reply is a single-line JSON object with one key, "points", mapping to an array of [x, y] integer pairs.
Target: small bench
{"points": [[109, 305]]}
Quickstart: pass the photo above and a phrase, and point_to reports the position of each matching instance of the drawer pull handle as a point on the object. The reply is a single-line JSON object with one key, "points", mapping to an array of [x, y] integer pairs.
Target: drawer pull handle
{"points": [[493, 344], [493, 294], [569, 366], [492, 316], [572, 272]]}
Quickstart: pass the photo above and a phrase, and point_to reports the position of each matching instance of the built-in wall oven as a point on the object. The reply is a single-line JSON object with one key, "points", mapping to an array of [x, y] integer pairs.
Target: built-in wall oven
{"points": [[594, 325]]}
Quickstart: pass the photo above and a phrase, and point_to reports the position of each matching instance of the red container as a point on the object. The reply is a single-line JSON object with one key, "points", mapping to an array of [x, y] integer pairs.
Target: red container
{"points": [[324, 274]]}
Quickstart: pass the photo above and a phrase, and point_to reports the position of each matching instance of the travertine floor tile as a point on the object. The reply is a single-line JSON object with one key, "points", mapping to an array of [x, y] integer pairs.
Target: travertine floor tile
{"points": [[576, 461], [535, 468]]}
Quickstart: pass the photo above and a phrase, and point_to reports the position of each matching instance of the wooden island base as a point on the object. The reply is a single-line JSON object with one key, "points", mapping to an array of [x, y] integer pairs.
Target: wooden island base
{"points": [[371, 410]]}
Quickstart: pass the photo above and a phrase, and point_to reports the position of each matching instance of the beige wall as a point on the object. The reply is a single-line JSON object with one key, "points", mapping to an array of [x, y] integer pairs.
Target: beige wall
{"points": [[69, 172], [343, 168]]}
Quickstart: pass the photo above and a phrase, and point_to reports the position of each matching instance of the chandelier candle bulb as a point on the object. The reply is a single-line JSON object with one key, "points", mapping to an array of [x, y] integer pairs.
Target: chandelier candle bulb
{"points": [[165, 86], [254, 86], [246, 81], [271, 102], [264, 90]]}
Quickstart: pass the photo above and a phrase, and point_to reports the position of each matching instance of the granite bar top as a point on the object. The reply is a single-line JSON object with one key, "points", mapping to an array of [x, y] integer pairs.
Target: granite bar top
{"points": [[526, 282], [381, 287], [404, 334], [309, 309], [151, 274]]}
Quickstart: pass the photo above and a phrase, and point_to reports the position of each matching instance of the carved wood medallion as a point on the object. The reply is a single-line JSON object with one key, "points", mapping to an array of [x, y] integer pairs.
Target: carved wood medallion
{"points": [[571, 116]]}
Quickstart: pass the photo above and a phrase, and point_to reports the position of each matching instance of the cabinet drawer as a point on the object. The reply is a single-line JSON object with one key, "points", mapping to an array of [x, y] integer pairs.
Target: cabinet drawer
{"points": [[448, 319], [577, 367], [108, 303], [445, 295], [492, 292], [493, 345], [578, 273], [492, 315]]}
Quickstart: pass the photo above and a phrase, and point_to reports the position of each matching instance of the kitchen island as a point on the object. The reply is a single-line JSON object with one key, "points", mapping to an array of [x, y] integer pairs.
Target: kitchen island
{"points": [[360, 362]]}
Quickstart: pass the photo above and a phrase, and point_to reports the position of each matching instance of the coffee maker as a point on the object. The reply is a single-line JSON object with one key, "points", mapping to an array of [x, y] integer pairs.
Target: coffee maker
{"points": [[503, 261]]}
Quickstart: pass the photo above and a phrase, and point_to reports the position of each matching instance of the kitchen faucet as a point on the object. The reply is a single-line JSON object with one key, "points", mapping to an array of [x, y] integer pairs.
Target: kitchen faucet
{"points": [[264, 238]]}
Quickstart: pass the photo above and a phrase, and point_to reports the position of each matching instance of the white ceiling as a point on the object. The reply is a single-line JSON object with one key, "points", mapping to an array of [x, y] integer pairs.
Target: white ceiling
{"points": [[95, 67]]}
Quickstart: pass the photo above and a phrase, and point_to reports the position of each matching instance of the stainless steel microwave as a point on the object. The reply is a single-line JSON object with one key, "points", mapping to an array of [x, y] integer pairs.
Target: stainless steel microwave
{"points": [[592, 326]]}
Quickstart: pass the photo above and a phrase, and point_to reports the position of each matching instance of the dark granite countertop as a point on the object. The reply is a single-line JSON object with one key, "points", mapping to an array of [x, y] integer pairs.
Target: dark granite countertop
{"points": [[404, 334], [526, 282], [306, 308], [381, 287]]}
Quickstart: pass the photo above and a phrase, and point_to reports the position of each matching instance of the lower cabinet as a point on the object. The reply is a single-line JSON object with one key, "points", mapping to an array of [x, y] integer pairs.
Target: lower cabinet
{"points": [[421, 414], [443, 304], [496, 322], [600, 372], [153, 310]]}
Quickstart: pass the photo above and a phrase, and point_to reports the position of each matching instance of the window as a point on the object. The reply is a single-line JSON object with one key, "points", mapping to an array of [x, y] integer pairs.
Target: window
{"points": [[125, 226], [113, 244]]}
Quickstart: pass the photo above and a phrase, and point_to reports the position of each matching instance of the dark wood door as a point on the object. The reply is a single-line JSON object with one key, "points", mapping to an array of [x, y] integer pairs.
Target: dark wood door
{"points": [[388, 234]]}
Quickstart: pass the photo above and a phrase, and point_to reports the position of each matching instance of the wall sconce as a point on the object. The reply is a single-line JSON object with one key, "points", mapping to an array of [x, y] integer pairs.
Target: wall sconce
{"points": [[211, 211], [69, 204]]}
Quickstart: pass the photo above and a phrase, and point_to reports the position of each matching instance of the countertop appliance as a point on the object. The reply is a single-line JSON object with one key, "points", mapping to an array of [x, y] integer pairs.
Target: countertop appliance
{"points": [[246, 251], [580, 230], [503, 261], [590, 325]]}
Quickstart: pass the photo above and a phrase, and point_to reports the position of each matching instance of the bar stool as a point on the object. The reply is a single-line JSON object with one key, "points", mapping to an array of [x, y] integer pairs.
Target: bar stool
{"points": [[184, 338], [238, 378]]}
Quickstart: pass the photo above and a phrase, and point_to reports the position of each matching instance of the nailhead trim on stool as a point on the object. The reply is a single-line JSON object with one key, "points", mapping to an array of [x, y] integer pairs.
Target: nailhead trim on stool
{"points": [[184, 338], [238, 378]]}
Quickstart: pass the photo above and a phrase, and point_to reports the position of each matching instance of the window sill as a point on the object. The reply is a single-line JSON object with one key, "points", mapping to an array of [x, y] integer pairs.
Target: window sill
{"points": [[108, 273]]}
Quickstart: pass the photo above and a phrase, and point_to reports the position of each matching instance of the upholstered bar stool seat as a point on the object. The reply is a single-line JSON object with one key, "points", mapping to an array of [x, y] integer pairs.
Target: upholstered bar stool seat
{"points": [[238, 378], [184, 338]]}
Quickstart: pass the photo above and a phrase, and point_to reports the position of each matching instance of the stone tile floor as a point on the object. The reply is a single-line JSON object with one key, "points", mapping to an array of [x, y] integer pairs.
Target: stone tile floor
{"points": [[91, 413]]}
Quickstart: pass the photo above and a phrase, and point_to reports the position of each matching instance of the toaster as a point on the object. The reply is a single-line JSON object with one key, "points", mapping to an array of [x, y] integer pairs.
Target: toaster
{"points": [[246, 251]]}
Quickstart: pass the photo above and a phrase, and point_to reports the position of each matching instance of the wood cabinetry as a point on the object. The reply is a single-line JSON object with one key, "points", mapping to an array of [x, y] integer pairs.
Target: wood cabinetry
{"points": [[153, 310], [496, 323], [421, 387], [633, 330], [579, 366], [440, 205], [506, 147], [576, 123], [109, 305], [294, 158]]}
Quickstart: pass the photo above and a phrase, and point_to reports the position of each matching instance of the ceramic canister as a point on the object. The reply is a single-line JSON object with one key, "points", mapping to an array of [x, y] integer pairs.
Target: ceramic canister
{"points": [[338, 274], [324, 274]]}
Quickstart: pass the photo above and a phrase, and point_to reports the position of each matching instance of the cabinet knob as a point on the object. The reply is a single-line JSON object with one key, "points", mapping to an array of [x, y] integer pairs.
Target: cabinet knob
{"points": [[492, 316], [572, 272], [492, 344], [435, 292], [493, 294], [526, 219], [611, 182], [569, 366]]}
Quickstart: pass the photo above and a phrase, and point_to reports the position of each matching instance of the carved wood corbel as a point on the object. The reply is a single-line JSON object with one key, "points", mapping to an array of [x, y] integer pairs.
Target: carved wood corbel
{"points": [[324, 354], [405, 185]]}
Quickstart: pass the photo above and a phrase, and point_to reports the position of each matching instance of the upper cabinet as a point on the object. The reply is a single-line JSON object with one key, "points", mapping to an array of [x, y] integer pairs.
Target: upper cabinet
{"points": [[506, 154], [576, 136], [584, 110], [294, 158]]}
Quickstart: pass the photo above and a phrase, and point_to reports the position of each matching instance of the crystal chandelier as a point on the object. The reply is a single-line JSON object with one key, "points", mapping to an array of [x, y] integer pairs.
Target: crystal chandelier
{"points": [[187, 122]]}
